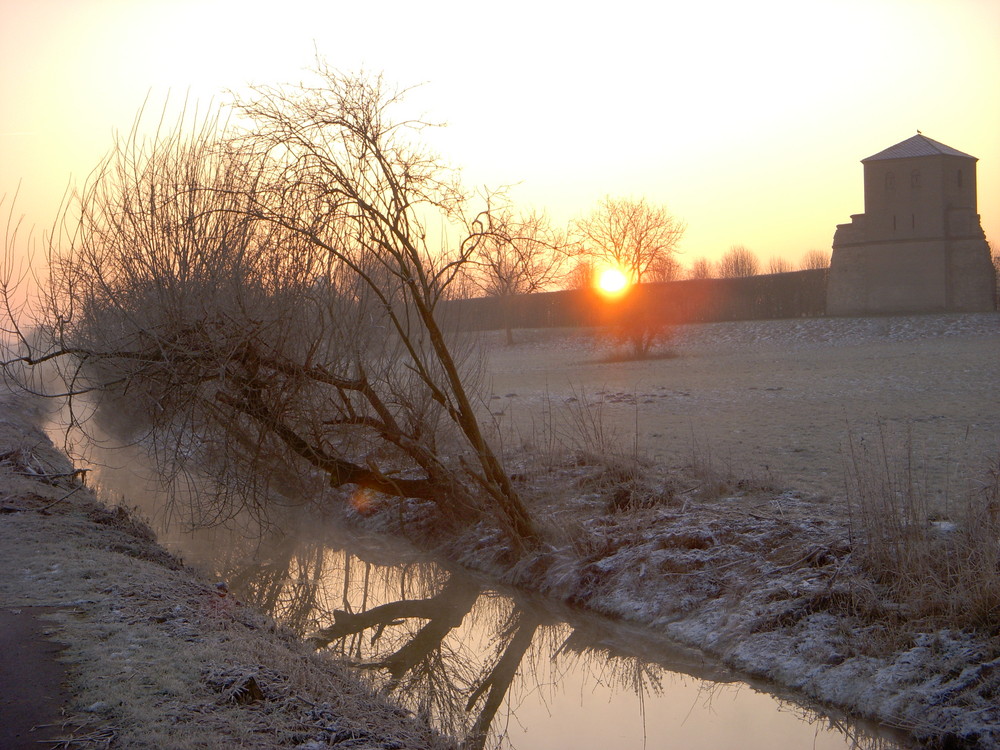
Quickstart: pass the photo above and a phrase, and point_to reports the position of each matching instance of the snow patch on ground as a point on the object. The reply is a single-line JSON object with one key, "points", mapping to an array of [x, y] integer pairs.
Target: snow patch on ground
{"points": [[788, 333]]}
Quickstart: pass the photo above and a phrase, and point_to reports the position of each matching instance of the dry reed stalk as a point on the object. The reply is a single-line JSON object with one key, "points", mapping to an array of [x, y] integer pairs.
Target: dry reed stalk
{"points": [[942, 570]]}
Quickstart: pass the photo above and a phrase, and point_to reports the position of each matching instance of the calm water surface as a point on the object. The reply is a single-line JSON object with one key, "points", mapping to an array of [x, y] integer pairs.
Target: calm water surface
{"points": [[500, 669], [496, 669]]}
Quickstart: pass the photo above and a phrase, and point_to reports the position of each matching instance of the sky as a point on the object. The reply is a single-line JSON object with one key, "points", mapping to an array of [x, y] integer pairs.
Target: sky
{"points": [[748, 120]]}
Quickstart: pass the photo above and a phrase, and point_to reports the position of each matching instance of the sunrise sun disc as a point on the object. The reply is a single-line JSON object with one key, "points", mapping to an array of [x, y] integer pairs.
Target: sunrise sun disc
{"points": [[612, 281]]}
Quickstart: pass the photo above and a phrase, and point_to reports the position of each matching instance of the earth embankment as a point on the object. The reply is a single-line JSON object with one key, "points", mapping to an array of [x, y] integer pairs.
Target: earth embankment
{"points": [[154, 657]]}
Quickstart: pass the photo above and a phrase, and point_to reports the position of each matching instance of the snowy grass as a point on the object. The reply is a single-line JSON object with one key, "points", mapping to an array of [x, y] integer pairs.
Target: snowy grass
{"points": [[938, 561], [894, 621]]}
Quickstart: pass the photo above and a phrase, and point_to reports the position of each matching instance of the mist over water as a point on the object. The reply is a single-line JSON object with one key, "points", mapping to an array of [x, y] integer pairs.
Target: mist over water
{"points": [[469, 656]]}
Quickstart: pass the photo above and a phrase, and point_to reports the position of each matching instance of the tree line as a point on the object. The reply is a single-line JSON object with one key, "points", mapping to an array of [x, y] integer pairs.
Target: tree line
{"points": [[528, 254]]}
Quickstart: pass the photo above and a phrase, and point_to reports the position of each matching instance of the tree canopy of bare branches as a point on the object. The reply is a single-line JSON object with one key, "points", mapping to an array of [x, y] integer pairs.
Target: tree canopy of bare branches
{"points": [[666, 268], [738, 262], [632, 235], [777, 264], [267, 302], [701, 268], [516, 255], [814, 259]]}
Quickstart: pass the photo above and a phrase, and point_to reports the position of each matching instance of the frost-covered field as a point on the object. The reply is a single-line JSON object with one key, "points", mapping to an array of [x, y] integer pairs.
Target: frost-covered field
{"points": [[700, 495], [771, 399]]}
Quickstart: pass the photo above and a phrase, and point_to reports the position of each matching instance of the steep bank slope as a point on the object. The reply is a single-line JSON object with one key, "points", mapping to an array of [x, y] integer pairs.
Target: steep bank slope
{"points": [[156, 658]]}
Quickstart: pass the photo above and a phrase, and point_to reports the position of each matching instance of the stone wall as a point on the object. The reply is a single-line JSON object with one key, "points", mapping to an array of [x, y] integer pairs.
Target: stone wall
{"points": [[972, 279], [911, 277], [794, 294]]}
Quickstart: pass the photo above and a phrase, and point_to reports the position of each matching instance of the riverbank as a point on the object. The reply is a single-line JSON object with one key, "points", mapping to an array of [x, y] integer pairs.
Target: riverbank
{"points": [[767, 579], [765, 582], [812, 502], [154, 657]]}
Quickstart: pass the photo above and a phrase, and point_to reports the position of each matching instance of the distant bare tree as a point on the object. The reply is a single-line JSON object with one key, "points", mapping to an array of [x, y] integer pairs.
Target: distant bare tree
{"points": [[635, 325], [664, 269], [641, 241], [777, 264], [629, 234], [814, 259], [516, 255], [581, 275], [738, 262], [701, 268], [270, 301], [463, 286]]}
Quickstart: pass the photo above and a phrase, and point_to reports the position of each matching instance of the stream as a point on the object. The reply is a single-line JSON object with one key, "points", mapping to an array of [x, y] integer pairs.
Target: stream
{"points": [[497, 669], [502, 669]]}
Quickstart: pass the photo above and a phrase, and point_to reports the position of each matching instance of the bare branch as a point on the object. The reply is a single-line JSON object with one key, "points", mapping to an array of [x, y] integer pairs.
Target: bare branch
{"points": [[630, 235], [268, 298]]}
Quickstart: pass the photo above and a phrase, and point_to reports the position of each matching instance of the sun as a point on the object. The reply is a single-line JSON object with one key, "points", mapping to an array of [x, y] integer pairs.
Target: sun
{"points": [[612, 281]]}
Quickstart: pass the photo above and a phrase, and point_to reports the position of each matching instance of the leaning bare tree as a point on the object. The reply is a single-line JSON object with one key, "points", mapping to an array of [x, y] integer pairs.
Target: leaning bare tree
{"points": [[268, 303], [516, 255]]}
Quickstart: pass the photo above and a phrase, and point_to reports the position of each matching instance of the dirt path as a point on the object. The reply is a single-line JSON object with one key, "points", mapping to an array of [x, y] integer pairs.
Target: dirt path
{"points": [[31, 714], [777, 399]]}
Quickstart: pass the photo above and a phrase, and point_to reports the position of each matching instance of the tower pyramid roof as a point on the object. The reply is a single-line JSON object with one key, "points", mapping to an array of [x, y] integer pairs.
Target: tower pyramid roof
{"points": [[917, 145]]}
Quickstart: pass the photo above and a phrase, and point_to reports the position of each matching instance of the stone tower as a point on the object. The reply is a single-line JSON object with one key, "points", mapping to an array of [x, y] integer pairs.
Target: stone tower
{"points": [[919, 245]]}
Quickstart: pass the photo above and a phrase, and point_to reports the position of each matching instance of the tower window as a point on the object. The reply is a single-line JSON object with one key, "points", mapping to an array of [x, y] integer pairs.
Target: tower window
{"points": [[913, 221], [894, 222], [915, 178], [960, 179], [890, 180]]}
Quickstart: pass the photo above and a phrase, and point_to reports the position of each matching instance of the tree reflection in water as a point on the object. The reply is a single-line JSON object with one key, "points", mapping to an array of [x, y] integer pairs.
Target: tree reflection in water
{"points": [[409, 644], [445, 647]]}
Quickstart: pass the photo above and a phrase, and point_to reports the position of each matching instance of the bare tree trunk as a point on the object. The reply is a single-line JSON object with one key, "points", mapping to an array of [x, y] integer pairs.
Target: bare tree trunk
{"points": [[266, 303]]}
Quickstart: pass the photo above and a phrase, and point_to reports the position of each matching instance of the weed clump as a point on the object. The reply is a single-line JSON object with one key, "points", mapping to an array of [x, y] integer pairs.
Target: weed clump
{"points": [[941, 568]]}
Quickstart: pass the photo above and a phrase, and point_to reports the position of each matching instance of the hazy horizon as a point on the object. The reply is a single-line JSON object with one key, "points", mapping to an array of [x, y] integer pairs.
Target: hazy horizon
{"points": [[747, 121]]}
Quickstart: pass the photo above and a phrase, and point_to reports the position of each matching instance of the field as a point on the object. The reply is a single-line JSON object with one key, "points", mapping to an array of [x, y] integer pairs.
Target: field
{"points": [[773, 400], [822, 510]]}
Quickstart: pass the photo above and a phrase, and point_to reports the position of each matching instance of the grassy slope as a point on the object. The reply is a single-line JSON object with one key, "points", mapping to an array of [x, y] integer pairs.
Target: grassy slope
{"points": [[157, 658]]}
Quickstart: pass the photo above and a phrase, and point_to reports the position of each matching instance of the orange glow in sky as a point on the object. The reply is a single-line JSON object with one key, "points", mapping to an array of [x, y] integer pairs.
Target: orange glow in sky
{"points": [[747, 120], [612, 282]]}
